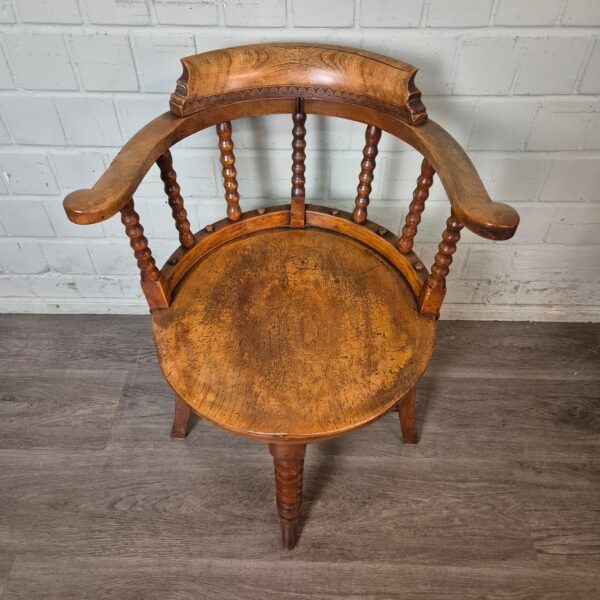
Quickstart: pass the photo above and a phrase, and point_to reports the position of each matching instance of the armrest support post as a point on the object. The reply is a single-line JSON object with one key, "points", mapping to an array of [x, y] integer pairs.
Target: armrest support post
{"points": [[434, 290], [152, 282]]}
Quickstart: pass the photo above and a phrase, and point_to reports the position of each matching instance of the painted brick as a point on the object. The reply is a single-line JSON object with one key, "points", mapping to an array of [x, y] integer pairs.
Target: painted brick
{"points": [[191, 12], [25, 217], [571, 180], [590, 84], [14, 286], [89, 121], [76, 170], [131, 287], [51, 285], [6, 80], [575, 225], [564, 54], [502, 124], [5, 137], [275, 132], [27, 174], [541, 293], [33, 120], [49, 11], [315, 13], [22, 256], [458, 13], [432, 54], [7, 12], [390, 13], [68, 256], [456, 116], [254, 13], [158, 59], [397, 174], [582, 12], [105, 62], [592, 141], [118, 12], [134, 113], [517, 179], [547, 262], [40, 60], [114, 257], [488, 261], [532, 12], [562, 125], [480, 70], [99, 287]]}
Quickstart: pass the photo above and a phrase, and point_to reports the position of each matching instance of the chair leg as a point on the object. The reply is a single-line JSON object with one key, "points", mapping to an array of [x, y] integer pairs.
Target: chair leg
{"points": [[181, 419], [288, 462], [406, 409]]}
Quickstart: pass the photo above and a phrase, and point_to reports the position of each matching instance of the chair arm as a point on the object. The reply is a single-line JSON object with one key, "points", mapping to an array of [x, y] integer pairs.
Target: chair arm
{"points": [[118, 183], [470, 201]]}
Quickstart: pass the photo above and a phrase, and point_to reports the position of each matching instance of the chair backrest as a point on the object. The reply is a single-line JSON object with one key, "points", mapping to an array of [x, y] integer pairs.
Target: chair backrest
{"points": [[220, 86]]}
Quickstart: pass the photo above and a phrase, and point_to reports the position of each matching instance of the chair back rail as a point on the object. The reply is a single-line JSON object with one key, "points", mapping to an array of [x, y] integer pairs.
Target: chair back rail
{"points": [[221, 86]]}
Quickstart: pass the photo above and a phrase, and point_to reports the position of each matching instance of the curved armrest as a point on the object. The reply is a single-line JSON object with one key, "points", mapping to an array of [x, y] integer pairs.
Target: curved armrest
{"points": [[118, 183], [469, 199]]}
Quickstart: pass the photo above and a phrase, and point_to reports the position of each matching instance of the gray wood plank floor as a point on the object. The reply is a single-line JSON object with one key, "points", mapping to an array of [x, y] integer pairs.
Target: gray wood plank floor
{"points": [[500, 499]]}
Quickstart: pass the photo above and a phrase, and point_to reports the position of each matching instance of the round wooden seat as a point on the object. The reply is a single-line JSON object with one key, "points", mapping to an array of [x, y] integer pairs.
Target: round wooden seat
{"points": [[292, 334]]}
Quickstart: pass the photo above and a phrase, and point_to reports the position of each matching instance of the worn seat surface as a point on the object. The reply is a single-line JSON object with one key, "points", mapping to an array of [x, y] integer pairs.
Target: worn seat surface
{"points": [[292, 334]]}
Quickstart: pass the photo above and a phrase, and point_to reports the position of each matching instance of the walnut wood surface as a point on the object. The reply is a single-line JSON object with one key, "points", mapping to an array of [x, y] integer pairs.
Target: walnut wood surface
{"points": [[139, 244], [290, 70], [434, 290], [298, 165], [181, 419], [292, 335], [416, 207], [288, 464], [466, 192], [173, 191], [232, 197], [367, 168], [406, 412]]}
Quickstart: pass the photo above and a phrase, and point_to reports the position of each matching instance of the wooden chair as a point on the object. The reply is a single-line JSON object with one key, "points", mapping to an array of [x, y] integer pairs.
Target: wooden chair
{"points": [[295, 323]]}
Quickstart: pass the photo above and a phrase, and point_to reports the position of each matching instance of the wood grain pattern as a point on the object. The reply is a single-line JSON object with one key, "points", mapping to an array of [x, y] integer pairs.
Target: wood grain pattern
{"points": [[173, 191], [434, 290], [298, 165], [152, 282], [181, 419], [406, 412], [139, 244], [257, 69], [499, 498], [468, 197], [358, 336], [288, 464], [229, 172], [417, 205], [284, 70], [367, 168]]}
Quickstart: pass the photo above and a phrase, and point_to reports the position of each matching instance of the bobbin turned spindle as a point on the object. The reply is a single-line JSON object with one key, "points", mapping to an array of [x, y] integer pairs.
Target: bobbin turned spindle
{"points": [[229, 171]]}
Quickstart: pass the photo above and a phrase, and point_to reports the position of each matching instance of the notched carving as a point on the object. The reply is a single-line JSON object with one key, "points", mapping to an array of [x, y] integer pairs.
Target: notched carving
{"points": [[290, 71]]}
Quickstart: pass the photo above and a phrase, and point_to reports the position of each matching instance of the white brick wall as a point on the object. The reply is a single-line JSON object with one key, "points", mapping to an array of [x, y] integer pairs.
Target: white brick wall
{"points": [[516, 82]]}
